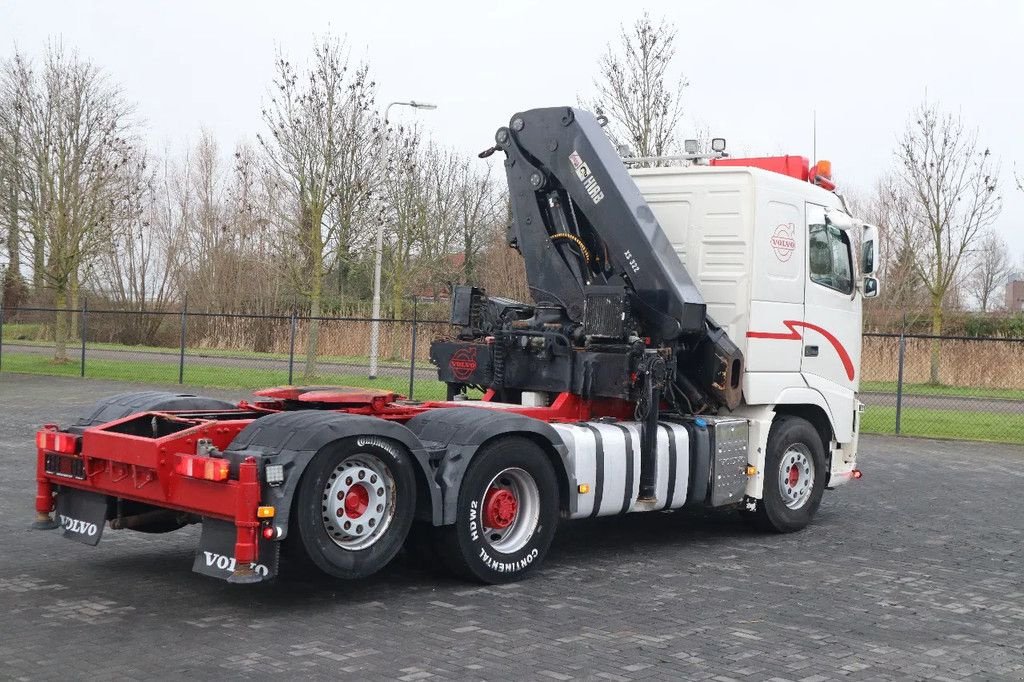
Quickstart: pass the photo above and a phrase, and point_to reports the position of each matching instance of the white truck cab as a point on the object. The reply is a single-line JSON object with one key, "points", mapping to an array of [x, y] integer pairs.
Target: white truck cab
{"points": [[773, 255]]}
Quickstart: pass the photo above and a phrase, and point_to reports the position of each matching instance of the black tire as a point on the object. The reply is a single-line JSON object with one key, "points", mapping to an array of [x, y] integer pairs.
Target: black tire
{"points": [[125, 404], [321, 537], [799, 442], [466, 547]]}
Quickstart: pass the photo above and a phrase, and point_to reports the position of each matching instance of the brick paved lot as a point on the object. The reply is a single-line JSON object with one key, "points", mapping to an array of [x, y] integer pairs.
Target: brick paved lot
{"points": [[917, 571]]}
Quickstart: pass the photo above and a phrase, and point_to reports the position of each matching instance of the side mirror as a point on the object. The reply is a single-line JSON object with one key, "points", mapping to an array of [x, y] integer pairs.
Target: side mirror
{"points": [[869, 251], [869, 289]]}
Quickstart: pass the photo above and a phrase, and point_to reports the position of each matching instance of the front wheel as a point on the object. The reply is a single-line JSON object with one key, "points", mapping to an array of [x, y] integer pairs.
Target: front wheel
{"points": [[354, 506], [794, 477], [507, 513]]}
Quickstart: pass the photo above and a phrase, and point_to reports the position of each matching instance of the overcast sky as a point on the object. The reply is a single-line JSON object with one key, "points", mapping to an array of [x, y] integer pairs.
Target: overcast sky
{"points": [[757, 69]]}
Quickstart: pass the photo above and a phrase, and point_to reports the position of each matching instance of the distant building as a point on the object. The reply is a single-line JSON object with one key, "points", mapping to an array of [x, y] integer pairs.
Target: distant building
{"points": [[1015, 292]]}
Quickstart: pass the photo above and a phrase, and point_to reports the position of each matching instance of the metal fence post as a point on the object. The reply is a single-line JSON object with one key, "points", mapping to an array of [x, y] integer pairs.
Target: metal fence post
{"points": [[291, 348], [899, 382], [1, 335], [181, 350], [83, 327], [412, 360]]}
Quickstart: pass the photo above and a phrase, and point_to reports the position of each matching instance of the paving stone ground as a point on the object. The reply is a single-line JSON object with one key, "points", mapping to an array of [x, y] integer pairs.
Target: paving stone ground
{"points": [[914, 572]]}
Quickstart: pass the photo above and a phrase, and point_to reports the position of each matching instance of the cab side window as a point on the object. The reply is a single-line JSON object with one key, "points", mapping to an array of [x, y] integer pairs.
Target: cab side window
{"points": [[830, 261]]}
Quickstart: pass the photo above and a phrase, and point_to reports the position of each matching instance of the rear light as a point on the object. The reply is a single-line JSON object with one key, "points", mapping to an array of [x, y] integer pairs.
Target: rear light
{"points": [[269, 532], [857, 473], [275, 474], [52, 440], [206, 468], [66, 466]]}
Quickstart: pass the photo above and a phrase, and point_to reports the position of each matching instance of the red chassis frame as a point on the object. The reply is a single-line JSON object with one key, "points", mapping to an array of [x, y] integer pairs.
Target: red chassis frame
{"points": [[145, 469]]}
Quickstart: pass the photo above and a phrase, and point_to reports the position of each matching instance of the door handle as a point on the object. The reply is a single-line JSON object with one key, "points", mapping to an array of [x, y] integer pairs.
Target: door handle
{"points": [[810, 351]]}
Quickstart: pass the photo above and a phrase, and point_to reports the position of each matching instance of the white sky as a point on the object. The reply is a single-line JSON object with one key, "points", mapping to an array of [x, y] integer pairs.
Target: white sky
{"points": [[757, 69]]}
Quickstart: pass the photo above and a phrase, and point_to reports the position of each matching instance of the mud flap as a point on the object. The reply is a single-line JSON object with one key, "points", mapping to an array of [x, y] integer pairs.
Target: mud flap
{"points": [[82, 515], [216, 554]]}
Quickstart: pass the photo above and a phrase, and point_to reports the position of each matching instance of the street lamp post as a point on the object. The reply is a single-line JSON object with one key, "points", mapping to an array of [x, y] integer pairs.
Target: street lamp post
{"points": [[379, 256]]}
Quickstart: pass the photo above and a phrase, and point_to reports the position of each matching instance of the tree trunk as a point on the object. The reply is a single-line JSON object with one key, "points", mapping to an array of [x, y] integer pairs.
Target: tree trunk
{"points": [[12, 278], [933, 376], [60, 326]]}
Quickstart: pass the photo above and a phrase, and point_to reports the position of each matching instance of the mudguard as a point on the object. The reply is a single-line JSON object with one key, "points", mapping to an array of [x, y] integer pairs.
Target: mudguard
{"points": [[458, 433], [291, 439]]}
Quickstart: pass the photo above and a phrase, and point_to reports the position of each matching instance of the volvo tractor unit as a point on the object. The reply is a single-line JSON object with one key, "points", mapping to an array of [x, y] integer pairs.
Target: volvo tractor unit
{"points": [[693, 341]]}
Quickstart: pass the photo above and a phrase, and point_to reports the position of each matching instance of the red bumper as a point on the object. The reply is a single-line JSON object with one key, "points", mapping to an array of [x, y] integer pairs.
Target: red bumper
{"points": [[114, 460]]}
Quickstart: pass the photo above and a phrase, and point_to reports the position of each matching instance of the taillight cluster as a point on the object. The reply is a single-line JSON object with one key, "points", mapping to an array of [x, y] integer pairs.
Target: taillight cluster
{"points": [[206, 468], [52, 440]]}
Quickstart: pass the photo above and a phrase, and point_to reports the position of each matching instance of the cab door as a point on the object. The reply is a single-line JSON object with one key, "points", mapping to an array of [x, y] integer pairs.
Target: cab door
{"points": [[831, 340]]}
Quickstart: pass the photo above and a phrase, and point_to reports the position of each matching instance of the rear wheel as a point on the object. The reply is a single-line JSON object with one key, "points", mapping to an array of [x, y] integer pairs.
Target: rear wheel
{"points": [[507, 513], [354, 505], [794, 477]]}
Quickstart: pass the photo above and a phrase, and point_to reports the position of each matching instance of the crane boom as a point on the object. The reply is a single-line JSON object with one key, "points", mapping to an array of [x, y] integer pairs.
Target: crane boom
{"points": [[615, 313]]}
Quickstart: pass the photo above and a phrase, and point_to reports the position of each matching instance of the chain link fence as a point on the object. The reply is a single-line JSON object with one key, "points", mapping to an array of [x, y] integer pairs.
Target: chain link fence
{"points": [[960, 387], [947, 387], [226, 350]]}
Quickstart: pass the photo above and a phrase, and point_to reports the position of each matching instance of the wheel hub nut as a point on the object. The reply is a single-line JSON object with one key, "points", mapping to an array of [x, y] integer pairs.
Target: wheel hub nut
{"points": [[500, 507], [356, 501], [794, 475]]}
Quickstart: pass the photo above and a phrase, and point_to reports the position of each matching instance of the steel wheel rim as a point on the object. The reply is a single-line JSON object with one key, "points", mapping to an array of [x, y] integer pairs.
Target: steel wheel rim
{"points": [[516, 535], [358, 502], [796, 476]]}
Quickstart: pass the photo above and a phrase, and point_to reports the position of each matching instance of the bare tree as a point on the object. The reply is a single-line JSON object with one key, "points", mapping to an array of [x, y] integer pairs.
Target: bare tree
{"points": [[479, 212], [991, 267], [436, 237], [12, 132], [502, 270], [313, 120], [198, 188], [903, 294], [136, 269], [361, 171], [637, 89], [407, 194], [948, 185], [250, 216], [80, 176]]}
